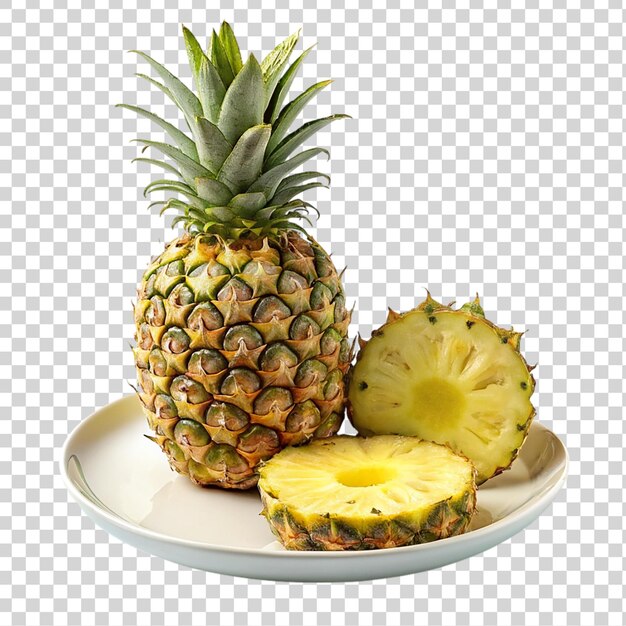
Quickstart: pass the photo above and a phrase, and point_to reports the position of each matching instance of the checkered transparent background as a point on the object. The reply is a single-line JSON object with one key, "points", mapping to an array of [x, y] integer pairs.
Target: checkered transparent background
{"points": [[486, 154]]}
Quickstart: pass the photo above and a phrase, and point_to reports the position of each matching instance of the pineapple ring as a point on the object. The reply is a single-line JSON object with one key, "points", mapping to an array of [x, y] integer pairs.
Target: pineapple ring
{"points": [[351, 493], [448, 376]]}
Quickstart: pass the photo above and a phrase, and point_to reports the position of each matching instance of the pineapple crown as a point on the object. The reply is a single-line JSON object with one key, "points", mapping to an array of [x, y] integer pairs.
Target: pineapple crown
{"points": [[234, 172]]}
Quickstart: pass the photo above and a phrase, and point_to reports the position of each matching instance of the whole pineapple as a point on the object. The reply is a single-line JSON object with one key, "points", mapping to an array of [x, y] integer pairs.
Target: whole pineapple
{"points": [[241, 324]]}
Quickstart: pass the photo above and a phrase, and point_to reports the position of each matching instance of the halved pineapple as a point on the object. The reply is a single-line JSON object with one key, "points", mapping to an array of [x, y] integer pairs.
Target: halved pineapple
{"points": [[449, 376], [354, 493]]}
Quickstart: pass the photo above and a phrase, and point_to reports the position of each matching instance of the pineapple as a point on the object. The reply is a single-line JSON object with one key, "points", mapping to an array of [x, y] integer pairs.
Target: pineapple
{"points": [[449, 376], [241, 323], [354, 493]]}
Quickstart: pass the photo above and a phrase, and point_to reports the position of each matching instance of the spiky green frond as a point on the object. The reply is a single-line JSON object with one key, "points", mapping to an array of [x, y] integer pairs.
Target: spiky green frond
{"points": [[282, 88], [235, 168]]}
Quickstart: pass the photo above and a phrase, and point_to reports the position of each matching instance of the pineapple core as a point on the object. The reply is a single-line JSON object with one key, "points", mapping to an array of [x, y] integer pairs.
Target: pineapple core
{"points": [[366, 476], [439, 401]]}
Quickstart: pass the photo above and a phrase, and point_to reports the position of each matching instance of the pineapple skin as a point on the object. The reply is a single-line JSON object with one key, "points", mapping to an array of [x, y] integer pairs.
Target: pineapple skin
{"points": [[317, 532], [242, 350], [472, 313], [297, 530]]}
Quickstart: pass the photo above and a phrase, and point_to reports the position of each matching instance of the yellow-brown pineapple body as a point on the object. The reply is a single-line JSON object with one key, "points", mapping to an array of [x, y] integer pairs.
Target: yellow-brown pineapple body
{"points": [[241, 350]]}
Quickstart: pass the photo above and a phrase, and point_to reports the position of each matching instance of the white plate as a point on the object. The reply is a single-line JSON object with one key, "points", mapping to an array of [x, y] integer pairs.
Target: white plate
{"points": [[123, 482]]}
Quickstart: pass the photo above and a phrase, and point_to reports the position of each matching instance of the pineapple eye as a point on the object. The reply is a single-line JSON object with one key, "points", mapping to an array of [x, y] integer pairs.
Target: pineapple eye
{"points": [[181, 295], [259, 267], [304, 417], [145, 381], [340, 308], [207, 362], [165, 407], [191, 433], [321, 296], [273, 399], [323, 265], [205, 316], [277, 354], [259, 440], [184, 389], [158, 364], [173, 451], [155, 313], [345, 351], [175, 268], [333, 385], [303, 327], [269, 308], [175, 341], [228, 416], [224, 460], [236, 335], [290, 282], [147, 290], [240, 380], [144, 337], [216, 269], [310, 372], [331, 340], [235, 289]]}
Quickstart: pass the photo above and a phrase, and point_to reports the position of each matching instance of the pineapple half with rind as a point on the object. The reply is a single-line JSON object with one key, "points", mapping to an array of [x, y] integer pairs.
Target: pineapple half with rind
{"points": [[355, 493], [449, 376]]}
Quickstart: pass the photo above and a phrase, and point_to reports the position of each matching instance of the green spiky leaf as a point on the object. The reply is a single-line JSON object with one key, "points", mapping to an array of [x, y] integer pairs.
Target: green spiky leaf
{"points": [[219, 58], [243, 104], [220, 213], [213, 149], [184, 143], [295, 208], [231, 47], [175, 203], [289, 114], [291, 192], [194, 52], [299, 136], [274, 63], [183, 96], [211, 90], [160, 86], [248, 203], [214, 192], [244, 163], [267, 182], [166, 166], [233, 165], [282, 88], [189, 168], [183, 187], [299, 178]]}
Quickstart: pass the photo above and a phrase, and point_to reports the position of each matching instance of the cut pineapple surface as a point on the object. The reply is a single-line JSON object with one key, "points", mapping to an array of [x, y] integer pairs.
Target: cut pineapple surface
{"points": [[362, 493], [448, 376]]}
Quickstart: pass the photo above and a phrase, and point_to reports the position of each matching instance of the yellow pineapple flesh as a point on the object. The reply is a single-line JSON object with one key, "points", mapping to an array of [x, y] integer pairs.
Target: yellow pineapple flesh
{"points": [[449, 376], [354, 493]]}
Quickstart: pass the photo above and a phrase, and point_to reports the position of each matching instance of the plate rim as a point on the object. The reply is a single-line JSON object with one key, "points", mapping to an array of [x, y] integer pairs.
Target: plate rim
{"points": [[536, 503]]}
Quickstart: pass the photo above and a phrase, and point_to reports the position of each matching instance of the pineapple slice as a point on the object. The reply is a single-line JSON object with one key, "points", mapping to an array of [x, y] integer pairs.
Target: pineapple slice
{"points": [[449, 376], [351, 493]]}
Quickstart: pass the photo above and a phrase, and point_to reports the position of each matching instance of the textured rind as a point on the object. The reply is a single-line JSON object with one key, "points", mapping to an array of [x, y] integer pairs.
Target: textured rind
{"points": [[475, 312], [325, 532], [317, 532], [210, 315]]}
